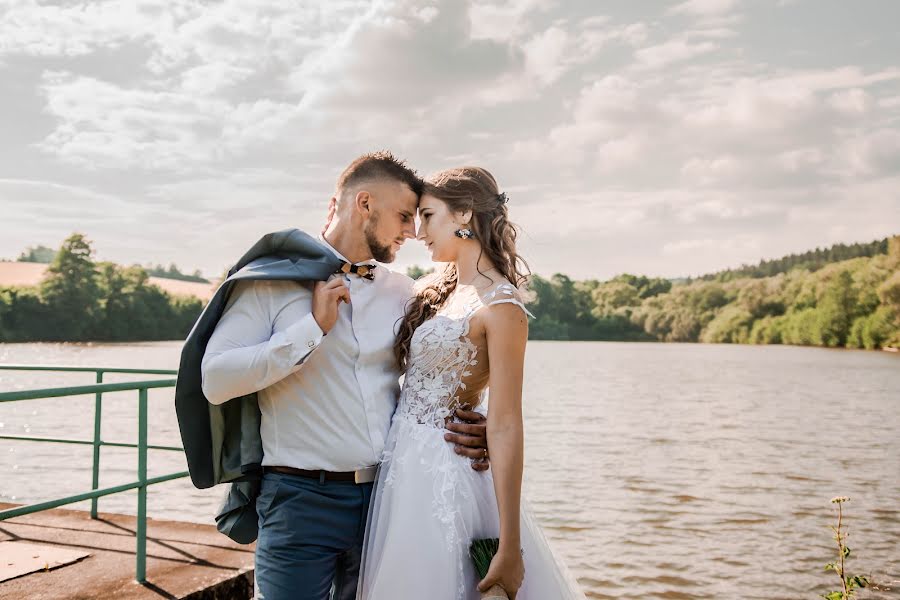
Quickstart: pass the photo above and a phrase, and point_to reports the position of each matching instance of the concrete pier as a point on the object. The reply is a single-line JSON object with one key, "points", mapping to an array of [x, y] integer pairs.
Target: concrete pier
{"points": [[184, 560]]}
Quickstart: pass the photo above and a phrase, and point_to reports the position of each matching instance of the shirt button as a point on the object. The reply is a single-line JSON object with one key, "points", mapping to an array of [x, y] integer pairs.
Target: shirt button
{"points": [[310, 343]]}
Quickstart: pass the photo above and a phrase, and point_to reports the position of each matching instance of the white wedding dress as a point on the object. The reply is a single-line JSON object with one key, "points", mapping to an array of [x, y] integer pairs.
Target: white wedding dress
{"points": [[428, 503]]}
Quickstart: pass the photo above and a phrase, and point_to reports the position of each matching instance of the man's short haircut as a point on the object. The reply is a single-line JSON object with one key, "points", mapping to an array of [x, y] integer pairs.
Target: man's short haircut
{"points": [[376, 166]]}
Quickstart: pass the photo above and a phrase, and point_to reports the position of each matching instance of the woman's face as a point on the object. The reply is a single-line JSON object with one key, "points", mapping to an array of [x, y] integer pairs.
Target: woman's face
{"points": [[437, 228]]}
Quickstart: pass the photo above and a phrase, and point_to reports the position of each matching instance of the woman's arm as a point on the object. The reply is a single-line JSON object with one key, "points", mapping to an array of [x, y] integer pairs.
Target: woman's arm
{"points": [[506, 328]]}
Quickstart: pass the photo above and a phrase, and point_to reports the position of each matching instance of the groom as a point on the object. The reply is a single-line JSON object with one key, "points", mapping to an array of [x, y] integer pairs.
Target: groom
{"points": [[321, 358]]}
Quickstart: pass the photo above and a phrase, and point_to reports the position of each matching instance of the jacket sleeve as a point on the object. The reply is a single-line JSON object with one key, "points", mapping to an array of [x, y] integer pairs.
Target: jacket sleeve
{"points": [[243, 354]]}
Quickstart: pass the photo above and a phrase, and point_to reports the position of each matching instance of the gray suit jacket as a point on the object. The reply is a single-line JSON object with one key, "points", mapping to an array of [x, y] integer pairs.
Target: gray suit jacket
{"points": [[222, 442]]}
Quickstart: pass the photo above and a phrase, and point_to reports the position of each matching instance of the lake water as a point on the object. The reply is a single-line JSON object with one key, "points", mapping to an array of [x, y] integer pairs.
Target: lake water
{"points": [[657, 470]]}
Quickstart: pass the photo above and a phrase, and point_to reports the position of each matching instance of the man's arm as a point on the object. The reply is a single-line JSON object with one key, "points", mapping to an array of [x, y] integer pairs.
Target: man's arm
{"points": [[243, 355]]}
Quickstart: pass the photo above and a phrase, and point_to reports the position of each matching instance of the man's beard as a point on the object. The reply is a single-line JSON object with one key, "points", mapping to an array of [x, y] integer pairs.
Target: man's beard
{"points": [[380, 252]]}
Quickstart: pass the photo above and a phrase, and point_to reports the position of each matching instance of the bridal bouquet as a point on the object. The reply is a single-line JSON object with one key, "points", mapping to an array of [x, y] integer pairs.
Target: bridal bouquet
{"points": [[482, 552]]}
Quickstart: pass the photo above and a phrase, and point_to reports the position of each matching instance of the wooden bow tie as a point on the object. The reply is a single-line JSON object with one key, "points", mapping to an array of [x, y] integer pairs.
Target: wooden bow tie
{"points": [[367, 271]]}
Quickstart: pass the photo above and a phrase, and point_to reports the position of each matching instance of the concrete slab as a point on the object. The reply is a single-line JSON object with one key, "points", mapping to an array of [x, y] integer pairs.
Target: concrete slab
{"points": [[184, 560], [21, 558]]}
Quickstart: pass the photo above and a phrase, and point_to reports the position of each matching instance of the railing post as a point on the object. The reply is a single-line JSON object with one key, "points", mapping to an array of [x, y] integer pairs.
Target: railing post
{"points": [[98, 411], [141, 574]]}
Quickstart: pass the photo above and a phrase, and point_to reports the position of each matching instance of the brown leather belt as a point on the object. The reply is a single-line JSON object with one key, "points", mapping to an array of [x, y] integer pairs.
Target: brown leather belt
{"points": [[366, 475]]}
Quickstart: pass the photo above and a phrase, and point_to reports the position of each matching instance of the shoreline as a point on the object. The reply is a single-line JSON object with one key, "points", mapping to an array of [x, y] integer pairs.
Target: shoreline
{"points": [[92, 343]]}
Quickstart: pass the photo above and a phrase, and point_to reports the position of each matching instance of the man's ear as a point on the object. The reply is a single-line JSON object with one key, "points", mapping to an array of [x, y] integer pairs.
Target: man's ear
{"points": [[363, 202], [332, 208]]}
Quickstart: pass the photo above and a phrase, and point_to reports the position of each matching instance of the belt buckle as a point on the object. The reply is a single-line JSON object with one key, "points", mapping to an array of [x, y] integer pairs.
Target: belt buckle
{"points": [[366, 475]]}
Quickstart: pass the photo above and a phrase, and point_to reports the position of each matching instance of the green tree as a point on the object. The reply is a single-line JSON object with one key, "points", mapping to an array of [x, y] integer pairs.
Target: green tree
{"points": [[730, 326], [893, 251], [889, 292], [173, 272], [760, 297], [873, 331], [71, 291], [186, 310], [37, 254], [117, 310], [80, 300], [809, 261], [25, 318], [615, 297], [836, 310], [767, 330], [416, 272], [801, 328]]}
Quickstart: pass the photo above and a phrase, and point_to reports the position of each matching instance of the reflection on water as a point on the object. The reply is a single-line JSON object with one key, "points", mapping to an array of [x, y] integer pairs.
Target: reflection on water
{"points": [[657, 471]]}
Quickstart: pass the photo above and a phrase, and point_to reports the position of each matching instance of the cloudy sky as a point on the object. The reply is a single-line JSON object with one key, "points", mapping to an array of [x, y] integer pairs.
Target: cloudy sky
{"points": [[664, 138]]}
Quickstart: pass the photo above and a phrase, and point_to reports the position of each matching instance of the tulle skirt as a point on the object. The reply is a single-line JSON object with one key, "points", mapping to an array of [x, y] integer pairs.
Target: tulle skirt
{"points": [[427, 506]]}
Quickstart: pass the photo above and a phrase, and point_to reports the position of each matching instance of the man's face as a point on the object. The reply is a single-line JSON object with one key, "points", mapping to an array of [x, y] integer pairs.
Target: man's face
{"points": [[393, 219]]}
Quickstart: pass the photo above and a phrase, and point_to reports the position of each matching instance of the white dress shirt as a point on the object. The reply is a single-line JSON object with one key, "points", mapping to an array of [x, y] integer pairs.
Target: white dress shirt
{"points": [[326, 401]]}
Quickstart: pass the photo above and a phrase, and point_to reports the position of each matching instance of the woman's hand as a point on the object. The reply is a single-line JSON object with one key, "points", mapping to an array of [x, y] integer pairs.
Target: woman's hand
{"points": [[507, 570]]}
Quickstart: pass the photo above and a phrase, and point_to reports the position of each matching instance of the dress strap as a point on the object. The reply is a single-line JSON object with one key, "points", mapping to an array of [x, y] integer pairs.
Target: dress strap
{"points": [[506, 293]]}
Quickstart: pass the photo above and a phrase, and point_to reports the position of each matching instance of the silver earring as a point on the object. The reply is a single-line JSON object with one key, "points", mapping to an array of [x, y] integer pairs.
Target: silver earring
{"points": [[464, 233]]}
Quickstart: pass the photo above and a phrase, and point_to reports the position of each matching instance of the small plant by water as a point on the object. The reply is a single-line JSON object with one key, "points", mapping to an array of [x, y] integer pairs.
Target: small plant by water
{"points": [[849, 583]]}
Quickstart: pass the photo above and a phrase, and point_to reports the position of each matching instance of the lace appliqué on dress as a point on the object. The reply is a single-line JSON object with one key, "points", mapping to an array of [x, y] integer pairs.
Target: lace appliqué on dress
{"points": [[440, 355]]}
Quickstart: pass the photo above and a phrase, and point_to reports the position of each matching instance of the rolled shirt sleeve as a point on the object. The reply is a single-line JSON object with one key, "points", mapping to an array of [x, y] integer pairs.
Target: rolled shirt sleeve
{"points": [[243, 354]]}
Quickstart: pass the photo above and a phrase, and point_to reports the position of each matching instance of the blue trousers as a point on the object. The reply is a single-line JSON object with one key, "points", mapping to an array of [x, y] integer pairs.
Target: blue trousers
{"points": [[310, 538]]}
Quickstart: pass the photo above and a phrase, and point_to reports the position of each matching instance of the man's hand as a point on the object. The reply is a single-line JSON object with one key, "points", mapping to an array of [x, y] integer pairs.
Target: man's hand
{"points": [[325, 301], [470, 438]]}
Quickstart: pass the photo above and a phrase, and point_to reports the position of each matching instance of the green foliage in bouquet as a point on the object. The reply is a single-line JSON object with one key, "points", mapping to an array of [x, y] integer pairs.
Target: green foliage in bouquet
{"points": [[482, 553]]}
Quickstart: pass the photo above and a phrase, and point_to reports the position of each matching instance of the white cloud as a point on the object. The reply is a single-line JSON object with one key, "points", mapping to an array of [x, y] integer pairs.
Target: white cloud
{"points": [[620, 152], [708, 245], [33, 28], [800, 159], [102, 125], [211, 78], [709, 171], [675, 50], [704, 8], [546, 54], [502, 20], [876, 153], [852, 101], [427, 14]]}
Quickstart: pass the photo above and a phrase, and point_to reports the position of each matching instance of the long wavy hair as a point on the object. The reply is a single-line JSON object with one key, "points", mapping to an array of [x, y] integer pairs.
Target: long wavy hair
{"points": [[462, 189]]}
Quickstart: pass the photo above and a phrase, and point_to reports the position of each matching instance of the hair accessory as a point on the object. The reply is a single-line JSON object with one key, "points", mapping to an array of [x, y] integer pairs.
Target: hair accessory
{"points": [[503, 198], [464, 233]]}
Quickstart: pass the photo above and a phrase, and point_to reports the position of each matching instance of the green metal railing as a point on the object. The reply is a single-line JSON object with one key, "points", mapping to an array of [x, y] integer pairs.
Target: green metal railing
{"points": [[98, 389]]}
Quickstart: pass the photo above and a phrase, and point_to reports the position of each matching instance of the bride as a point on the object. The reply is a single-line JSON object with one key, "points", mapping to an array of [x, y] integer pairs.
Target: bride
{"points": [[464, 332]]}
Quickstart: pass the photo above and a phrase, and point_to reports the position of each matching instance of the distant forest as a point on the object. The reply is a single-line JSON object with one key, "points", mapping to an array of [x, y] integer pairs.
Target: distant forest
{"points": [[83, 300], [842, 296], [43, 254], [810, 261]]}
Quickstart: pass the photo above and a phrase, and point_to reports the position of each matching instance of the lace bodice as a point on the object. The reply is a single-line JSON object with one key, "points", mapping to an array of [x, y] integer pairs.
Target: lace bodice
{"points": [[442, 356]]}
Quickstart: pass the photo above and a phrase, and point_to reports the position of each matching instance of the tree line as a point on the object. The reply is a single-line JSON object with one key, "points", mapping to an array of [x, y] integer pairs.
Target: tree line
{"points": [[83, 300], [853, 303], [820, 298], [810, 261], [43, 254]]}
